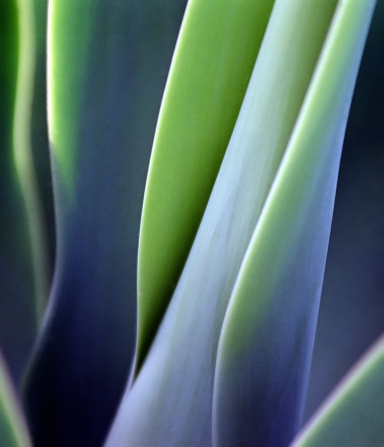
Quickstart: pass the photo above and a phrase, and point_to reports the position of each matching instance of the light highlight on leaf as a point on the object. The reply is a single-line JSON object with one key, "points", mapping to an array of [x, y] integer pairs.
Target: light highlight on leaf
{"points": [[212, 64], [23, 153], [267, 336], [67, 67], [353, 413], [174, 388]]}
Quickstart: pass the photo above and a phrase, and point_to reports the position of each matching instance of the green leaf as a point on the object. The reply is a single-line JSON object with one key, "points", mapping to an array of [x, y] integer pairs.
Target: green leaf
{"points": [[174, 388], [13, 429], [17, 297], [22, 149], [353, 413], [267, 337], [212, 64], [107, 66]]}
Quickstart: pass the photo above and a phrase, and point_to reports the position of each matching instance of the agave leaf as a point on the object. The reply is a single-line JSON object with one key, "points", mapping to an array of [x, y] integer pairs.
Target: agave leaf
{"points": [[107, 64], [17, 312], [212, 64], [267, 337], [353, 413], [174, 388], [13, 429], [39, 138], [23, 150]]}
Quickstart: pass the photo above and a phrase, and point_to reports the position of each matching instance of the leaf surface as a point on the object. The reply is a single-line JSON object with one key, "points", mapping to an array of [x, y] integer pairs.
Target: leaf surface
{"points": [[267, 337], [107, 65], [212, 64], [13, 429], [17, 298], [353, 413], [174, 388]]}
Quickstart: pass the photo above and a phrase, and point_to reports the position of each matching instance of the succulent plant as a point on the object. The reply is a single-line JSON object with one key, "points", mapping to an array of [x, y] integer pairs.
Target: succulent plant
{"points": [[184, 315]]}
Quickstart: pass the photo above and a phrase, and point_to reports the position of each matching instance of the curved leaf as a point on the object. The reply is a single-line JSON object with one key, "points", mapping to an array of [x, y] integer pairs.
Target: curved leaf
{"points": [[23, 150], [212, 64], [353, 413], [267, 337], [174, 388], [107, 64], [17, 312]]}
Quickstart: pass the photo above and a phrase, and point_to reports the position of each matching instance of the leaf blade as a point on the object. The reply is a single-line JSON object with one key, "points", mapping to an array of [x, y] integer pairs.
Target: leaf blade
{"points": [[213, 61], [174, 388], [107, 65], [13, 428], [267, 337], [352, 414]]}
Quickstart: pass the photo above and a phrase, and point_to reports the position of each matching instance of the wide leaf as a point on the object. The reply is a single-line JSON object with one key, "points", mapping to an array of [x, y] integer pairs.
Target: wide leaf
{"points": [[104, 92]]}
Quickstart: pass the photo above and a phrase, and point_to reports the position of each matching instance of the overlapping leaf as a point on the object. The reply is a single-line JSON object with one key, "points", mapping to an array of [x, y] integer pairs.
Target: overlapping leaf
{"points": [[267, 337], [293, 112], [212, 64], [104, 91]]}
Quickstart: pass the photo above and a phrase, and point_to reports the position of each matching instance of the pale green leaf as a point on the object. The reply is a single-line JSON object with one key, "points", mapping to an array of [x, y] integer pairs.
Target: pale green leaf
{"points": [[170, 402], [353, 414], [22, 149], [267, 337], [212, 64]]}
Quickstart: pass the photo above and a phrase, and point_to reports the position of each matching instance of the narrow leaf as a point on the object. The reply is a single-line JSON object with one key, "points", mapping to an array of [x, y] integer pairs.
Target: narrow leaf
{"points": [[23, 151], [18, 310], [13, 429], [267, 337]]}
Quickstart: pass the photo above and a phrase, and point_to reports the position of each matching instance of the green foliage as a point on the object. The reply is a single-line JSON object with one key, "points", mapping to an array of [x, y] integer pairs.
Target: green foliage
{"points": [[212, 64], [213, 342]]}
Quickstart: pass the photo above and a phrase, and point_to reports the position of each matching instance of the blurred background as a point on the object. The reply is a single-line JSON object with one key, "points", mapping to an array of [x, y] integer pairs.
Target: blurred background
{"points": [[351, 312]]}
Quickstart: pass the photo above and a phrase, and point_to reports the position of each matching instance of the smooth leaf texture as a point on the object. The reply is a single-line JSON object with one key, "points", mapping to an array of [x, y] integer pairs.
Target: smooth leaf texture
{"points": [[13, 429], [22, 148], [212, 64], [353, 413], [104, 92], [267, 337], [17, 314], [170, 402]]}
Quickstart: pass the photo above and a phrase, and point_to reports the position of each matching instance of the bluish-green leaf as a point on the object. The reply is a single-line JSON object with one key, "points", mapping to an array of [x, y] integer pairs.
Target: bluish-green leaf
{"points": [[17, 311], [353, 414], [212, 64], [13, 429], [107, 65], [170, 402], [22, 148], [267, 337]]}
